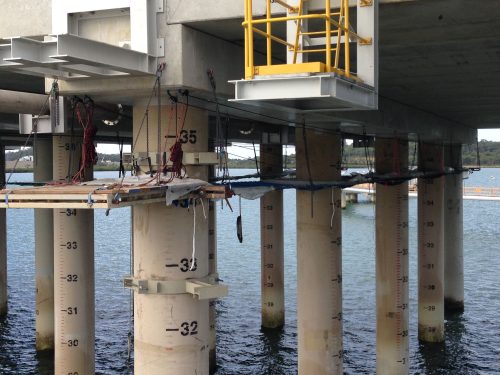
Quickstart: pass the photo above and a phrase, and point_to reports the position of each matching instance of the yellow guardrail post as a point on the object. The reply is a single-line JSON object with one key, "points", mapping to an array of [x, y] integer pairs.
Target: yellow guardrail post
{"points": [[328, 36], [339, 36], [269, 31], [249, 74], [245, 23], [297, 34], [347, 51]]}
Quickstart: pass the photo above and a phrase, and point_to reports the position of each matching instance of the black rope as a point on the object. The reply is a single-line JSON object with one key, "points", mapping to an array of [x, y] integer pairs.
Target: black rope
{"points": [[345, 182], [255, 157], [308, 164], [369, 165], [477, 168], [158, 133]]}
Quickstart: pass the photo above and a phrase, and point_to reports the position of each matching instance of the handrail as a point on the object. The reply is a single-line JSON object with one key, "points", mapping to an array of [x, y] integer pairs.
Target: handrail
{"points": [[336, 26]]}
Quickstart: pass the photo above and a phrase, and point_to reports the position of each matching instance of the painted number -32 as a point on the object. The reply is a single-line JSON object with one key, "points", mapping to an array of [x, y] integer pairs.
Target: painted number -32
{"points": [[188, 329]]}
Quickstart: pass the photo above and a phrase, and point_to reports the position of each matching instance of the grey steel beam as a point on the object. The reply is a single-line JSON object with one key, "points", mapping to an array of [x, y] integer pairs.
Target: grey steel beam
{"points": [[303, 92], [70, 57]]}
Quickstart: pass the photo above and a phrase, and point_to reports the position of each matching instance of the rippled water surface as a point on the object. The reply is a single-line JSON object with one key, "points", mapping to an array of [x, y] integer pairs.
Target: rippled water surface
{"points": [[472, 340]]}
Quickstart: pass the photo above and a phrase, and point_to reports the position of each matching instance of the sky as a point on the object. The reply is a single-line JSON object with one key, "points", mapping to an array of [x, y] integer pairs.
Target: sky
{"points": [[489, 134], [244, 151]]}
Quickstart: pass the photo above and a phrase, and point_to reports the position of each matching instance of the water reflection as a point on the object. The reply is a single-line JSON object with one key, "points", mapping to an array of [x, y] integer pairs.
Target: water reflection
{"points": [[272, 355], [45, 362], [450, 357]]}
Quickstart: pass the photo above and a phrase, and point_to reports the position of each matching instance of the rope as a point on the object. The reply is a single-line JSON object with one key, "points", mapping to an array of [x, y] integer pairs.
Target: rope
{"points": [[159, 71], [255, 157], [477, 168], [345, 182], [193, 255], [158, 132], [220, 145], [84, 114], [176, 155], [308, 164]]}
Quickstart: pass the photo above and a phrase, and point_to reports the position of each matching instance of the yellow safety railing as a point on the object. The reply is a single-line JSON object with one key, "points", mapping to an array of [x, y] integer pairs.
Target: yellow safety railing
{"points": [[482, 191], [336, 26]]}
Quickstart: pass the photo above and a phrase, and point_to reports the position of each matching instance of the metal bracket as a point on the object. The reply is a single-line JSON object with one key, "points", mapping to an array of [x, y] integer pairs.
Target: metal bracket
{"points": [[142, 158], [160, 47], [200, 158], [202, 289], [188, 158], [365, 3], [366, 42], [55, 123], [159, 6]]}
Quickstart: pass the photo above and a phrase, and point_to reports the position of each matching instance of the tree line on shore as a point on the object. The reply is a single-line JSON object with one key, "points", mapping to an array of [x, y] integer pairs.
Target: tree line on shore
{"points": [[489, 156]]}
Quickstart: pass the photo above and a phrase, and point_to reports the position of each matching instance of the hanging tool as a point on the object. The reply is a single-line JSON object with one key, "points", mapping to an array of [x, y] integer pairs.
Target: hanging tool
{"points": [[239, 226], [121, 168]]}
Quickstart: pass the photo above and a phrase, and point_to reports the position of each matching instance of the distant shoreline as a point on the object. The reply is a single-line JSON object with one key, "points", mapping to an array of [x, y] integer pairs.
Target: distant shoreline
{"points": [[106, 168]]}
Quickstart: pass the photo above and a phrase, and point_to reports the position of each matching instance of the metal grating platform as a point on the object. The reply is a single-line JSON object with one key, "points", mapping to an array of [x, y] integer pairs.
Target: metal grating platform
{"points": [[318, 92], [109, 193], [72, 57]]}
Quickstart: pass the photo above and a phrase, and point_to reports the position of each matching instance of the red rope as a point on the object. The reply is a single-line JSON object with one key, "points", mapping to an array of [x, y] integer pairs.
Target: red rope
{"points": [[84, 114], [176, 154]]}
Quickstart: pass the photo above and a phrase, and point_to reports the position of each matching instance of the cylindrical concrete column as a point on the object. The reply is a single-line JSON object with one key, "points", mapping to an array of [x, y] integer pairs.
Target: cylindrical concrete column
{"points": [[319, 255], [3, 241], [431, 245], [453, 233], [271, 239], [343, 200], [391, 222], [44, 251], [73, 274], [171, 331]]}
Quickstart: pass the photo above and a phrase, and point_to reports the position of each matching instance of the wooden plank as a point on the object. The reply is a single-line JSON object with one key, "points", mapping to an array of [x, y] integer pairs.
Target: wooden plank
{"points": [[52, 197], [103, 195], [75, 205]]}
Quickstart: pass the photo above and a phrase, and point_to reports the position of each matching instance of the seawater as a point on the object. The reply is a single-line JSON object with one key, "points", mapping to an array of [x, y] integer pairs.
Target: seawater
{"points": [[472, 340]]}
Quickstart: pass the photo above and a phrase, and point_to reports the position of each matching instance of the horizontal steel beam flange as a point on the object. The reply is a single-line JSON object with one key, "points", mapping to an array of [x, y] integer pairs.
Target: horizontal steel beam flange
{"points": [[71, 57], [307, 92]]}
